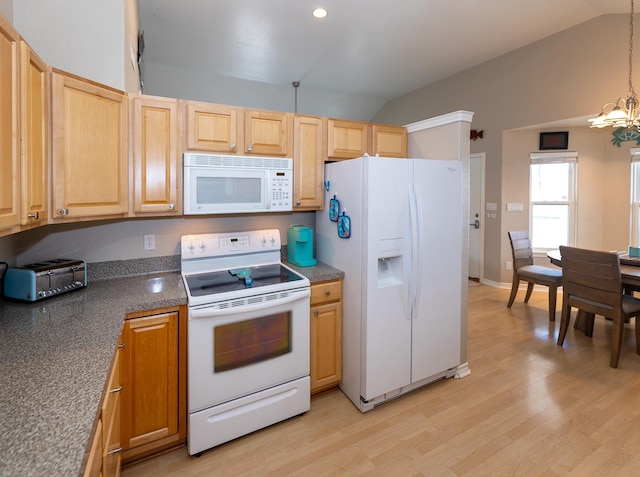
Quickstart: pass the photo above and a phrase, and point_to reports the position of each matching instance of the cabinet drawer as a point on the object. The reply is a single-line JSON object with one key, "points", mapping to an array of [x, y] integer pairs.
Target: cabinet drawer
{"points": [[326, 292]]}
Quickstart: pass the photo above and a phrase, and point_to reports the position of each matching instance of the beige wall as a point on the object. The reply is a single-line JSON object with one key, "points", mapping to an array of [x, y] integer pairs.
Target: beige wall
{"points": [[554, 79], [603, 188]]}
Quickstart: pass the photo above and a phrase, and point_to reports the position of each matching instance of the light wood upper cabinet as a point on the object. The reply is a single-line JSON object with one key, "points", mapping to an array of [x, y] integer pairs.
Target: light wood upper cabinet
{"points": [[212, 128], [90, 153], [154, 382], [268, 133], [388, 141], [227, 130], [9, 127], [155, 156], [309, 151], [347, 139], [34, 133]]}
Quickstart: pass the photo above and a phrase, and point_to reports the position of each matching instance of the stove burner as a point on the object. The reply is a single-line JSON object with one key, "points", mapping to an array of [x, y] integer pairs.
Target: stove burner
{"points": [[211, 283]]}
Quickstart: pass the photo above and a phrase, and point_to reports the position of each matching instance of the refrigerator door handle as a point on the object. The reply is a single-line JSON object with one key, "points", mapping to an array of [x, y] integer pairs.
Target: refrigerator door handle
{"points": [[415, 251], [416, 265]]}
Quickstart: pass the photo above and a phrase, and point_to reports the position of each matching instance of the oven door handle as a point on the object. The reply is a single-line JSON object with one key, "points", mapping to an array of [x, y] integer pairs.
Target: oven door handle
{"points": [[208, 312]]}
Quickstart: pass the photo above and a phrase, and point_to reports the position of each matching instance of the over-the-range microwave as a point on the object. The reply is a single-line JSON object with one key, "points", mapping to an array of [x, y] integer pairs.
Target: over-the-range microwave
{"points": [[236, 184]]}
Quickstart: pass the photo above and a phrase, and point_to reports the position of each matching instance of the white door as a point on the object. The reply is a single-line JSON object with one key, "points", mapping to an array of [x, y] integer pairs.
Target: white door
{"points": [[476, 219], [436, 318]]}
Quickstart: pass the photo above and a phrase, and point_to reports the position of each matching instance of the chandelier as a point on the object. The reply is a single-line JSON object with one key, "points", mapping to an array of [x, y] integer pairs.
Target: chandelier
{"points": [[624, 112]]}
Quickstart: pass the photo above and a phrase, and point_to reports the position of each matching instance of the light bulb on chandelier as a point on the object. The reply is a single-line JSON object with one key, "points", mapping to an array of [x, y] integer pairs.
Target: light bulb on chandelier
{"points": [[624, 112]]}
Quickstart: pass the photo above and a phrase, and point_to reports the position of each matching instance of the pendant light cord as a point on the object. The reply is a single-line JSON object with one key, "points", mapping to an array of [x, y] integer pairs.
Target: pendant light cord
{"points": [[632, 93]]}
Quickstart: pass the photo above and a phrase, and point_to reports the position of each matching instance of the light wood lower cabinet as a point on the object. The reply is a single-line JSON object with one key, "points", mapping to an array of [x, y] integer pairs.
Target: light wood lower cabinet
{"points": [[154, 382], [326, 335], [105, 453]]}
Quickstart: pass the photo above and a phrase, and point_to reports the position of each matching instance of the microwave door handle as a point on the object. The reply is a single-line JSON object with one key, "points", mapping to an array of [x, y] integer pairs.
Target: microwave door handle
{"points": [[267, 191]]}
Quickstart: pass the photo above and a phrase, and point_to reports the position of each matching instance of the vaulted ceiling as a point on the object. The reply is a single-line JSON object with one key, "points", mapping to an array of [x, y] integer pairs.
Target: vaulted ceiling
{"points": [[377, 49]]}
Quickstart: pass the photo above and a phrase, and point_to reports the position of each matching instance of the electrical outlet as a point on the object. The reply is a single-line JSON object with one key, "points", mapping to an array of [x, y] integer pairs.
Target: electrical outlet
{"points": [[508, 265], [150, 242]]}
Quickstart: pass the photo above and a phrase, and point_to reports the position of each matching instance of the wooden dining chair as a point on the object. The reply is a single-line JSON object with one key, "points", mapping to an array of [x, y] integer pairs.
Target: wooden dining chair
{"points": [[525, 270], [591, 282]]}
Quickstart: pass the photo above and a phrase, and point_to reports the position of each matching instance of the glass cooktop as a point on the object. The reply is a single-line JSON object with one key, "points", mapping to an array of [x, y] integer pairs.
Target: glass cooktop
{"points": [[210, 283]]}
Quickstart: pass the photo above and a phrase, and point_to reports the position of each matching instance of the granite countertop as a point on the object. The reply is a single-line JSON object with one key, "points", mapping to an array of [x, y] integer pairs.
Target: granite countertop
{"points": [[55, 356], [317, 273]]}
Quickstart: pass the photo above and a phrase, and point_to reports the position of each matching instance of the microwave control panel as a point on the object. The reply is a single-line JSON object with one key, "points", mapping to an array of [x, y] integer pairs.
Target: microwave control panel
{"points": [[281, 190]]}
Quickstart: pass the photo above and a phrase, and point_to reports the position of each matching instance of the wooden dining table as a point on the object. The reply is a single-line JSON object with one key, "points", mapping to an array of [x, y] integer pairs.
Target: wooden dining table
{"points": [[629, 267], [629, 273]]}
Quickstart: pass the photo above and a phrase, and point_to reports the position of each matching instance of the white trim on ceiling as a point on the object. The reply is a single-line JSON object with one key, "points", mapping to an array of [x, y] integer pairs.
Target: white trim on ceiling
{"points": [[448, 118]]}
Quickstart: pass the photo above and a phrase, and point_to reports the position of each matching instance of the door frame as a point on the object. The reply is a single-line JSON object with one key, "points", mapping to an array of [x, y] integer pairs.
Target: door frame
{"points": [[483, 219]]}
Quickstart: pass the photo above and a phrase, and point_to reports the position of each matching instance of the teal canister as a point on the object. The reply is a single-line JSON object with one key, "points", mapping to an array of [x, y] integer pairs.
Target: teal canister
{"points": [[300, 246]]}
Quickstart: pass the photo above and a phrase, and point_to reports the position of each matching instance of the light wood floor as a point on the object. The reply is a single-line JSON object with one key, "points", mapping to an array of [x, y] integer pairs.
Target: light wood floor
{"points": [[529, 407]]}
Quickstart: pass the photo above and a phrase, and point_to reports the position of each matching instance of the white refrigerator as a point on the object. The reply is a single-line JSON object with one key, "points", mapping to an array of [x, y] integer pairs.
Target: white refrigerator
{"points": [[403, 280]]}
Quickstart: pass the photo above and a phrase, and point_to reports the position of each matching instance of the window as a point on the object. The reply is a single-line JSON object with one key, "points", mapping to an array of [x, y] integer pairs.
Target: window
{"points": [[635, 196], [552, 199]]}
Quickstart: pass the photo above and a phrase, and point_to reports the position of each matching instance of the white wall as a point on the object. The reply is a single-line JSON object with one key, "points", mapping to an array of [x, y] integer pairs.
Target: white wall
{"points": [[103, 241], [84, 37], [169, 81], [6, 9]]}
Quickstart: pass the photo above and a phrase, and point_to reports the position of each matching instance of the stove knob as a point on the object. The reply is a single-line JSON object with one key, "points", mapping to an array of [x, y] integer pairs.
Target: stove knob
{"points": [[263, 241], [203, 247]]}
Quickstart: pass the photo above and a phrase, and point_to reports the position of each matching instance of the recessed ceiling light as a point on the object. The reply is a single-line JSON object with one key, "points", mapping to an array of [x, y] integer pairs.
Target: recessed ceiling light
{"points": [[319, 13]]}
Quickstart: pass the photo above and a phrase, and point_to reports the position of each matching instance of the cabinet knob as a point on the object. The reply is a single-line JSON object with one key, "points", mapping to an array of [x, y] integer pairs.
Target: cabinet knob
{"points": [[233, 147], [35, 215], [327, 293], [249, 148], [315, 313], [172, 206], [64, 212], [297, 202]]}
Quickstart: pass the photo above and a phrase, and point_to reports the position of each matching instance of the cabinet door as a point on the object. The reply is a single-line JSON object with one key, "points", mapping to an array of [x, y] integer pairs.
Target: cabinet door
{"points": [[309, 151], [326, 346], [90, 159], [9, 126], [35, 137], [347, 139], [267, 133], [389, 141], [155, 156], [212, 128], [153, 387]]}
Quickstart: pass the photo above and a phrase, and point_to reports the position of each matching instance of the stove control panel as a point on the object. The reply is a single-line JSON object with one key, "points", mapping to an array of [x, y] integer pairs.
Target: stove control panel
{"points": [[232, 243]]}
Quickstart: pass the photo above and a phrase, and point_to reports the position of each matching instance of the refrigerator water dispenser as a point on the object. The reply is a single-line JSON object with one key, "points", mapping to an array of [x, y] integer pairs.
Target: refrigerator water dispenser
{"points": [[389, 263]]}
